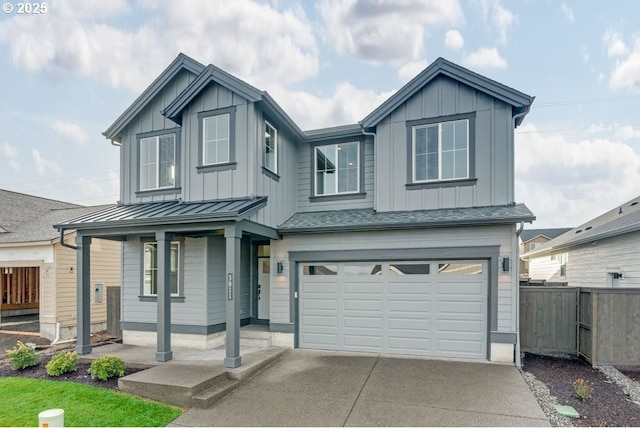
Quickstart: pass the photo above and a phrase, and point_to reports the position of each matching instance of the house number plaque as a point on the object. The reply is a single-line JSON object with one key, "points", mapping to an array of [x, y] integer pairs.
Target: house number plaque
{"points": [[229, 286]]}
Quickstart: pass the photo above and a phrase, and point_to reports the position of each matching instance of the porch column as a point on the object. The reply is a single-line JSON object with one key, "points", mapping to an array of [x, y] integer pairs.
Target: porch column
{"points": [[163, 278], [233, 237], [83, 298]]}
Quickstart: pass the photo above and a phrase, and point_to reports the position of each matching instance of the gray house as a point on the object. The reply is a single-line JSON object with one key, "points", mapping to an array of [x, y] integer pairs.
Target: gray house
{"points": [[396, 234], [603, 252]]}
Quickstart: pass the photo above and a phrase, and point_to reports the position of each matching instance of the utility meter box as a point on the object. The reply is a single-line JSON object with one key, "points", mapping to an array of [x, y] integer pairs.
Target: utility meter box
{"points": [[98, 292]]}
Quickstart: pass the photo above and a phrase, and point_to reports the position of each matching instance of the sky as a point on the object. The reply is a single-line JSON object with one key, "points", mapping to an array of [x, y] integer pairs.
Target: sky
{"points": [[68, 71]]}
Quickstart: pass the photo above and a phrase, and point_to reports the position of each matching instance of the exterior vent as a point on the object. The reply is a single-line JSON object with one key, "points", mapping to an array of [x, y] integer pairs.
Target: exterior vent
{"points": [[579, 230], [633, 203], [588, 228]]}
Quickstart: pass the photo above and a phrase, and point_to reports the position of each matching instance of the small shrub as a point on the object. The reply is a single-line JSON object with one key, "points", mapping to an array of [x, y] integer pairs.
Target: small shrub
{"points": [[63, 362], [106, 367], [23, 356], [582, 388]]}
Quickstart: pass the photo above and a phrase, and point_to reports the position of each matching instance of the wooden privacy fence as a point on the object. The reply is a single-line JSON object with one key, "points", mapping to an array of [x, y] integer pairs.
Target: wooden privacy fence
{"points": [[20, 287], [600, 324]]}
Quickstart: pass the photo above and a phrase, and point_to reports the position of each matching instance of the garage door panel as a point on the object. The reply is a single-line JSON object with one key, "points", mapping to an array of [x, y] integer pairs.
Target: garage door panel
{"points": [[418, 288], [455, 347], [363, 321], [362, 305], [450, 307], [458, 325], [362, 342], [319, 339], [324, 304], [410, 345], [320, 320]]}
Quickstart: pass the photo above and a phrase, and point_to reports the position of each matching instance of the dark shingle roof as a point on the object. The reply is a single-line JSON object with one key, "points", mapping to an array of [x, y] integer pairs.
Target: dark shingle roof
{"points": [[368, 219], [16, 209], [622, 219], [529, 234]]}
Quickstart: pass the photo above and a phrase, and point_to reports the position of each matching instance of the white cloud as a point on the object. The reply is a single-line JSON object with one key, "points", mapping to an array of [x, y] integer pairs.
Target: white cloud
{"points": [[567, 12], [70, 131], [248, 38], [622, 132], [626, 73], [44, 166], [584, 52], [615, 45], [346, 105], [385, 30], [484, 58], [453, 40], [10, 153], [627, 132], [411, 70], [566, 182], [497, 16]]}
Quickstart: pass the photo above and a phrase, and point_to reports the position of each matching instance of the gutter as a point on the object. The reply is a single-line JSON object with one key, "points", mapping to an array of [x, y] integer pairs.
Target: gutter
{"points": [[64, 244]]}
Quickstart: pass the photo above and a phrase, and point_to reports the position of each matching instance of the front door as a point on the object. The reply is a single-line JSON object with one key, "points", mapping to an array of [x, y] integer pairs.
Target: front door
{"points": [[264, 287]]}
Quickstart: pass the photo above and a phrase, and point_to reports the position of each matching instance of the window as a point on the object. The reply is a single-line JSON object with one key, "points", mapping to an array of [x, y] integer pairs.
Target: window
{"points": [[440, 151], [337, 168], [151, 268], [315, 270], [157, 161], [460, 268], [562, 259], [270, 148], [362, 269], [534, 245], [215, 139], [409, 269]]}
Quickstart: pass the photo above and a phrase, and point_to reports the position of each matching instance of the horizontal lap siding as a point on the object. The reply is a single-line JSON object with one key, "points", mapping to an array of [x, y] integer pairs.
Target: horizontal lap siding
{"points": [[543, 268]]}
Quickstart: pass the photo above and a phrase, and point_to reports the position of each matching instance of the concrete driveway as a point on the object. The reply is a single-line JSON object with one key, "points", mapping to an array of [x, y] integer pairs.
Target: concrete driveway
{"points": [[316, 388]]}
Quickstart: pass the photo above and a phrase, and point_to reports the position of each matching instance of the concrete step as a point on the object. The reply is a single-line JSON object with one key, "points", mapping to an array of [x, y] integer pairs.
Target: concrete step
{"points": [[208, 398], [255, 332], [253, 342]]}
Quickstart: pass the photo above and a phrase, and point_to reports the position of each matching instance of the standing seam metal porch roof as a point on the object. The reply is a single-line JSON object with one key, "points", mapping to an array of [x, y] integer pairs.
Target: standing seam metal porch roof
{"points": [[169, 212]]}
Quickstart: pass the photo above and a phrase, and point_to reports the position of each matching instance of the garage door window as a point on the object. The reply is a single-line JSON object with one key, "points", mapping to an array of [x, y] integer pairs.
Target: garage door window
{"points": [[409, 269], [362, 269], [314, 270], [460, 268]]}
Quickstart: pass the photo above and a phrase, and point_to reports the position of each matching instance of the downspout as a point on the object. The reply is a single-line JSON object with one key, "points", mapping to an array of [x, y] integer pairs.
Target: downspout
{"points": [[64, 244], [374, 136], [517, 261]]}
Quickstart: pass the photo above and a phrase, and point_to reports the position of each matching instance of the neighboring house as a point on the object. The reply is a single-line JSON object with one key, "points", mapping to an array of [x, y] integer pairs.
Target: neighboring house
{"points": [[38, 274], [602, 252], [396, 234], [530, 239]]}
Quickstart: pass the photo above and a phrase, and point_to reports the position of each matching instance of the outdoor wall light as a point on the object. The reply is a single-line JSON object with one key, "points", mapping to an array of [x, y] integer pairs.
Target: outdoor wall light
{"points": [[280, 268], [506, 264]]}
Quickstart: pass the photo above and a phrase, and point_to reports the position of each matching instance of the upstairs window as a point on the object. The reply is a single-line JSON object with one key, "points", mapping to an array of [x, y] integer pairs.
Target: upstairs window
{"points": [[215, 139], [151, 268], [440, 151], [270, 148], [337, 168], [157, 161]]}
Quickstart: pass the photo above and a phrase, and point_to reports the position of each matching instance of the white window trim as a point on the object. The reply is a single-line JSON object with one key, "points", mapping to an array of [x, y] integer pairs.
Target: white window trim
{"points": [[178, 273], [204, 141], [413, 152], [315, 170], [157, 162], [275, 151]]}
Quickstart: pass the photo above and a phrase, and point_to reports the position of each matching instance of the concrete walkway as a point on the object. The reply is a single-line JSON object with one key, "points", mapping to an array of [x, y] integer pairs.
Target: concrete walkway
{"points": [[316, 388]]}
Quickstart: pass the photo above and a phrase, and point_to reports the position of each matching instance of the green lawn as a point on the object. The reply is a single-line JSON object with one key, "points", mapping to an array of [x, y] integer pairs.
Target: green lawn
{"points": [[21, 399]]}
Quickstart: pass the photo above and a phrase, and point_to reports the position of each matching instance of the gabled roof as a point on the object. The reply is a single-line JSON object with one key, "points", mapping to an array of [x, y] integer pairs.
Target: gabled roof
{"points": [[182, 62], [529, 234], [520, 101], [41, 228], [368, 219], [342, 131], [163, 213], [16, 209], [618, 221]]}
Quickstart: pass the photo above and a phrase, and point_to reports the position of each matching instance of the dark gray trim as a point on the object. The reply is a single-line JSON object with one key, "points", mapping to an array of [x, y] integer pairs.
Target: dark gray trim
{"points": [[201, 169], [338, 197], [270, 174], [177, 132], [180, 328], [258, 321], [281, 328], [410, 124], [442, 184], [312, 163], [154, 298], [231, 111], [258, 229], [490, 253], [263, 146], [502, 337]]}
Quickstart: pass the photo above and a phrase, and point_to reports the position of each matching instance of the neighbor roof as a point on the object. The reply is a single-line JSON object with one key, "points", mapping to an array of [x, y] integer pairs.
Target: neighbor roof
{"points": [[529, 234], [17, 209], [520, 101], [622, 219], [368, 219]]}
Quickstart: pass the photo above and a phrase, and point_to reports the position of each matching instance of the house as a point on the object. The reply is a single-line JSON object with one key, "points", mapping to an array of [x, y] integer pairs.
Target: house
{"points": [[603, 252], [395, 234], [530, 239], [37, 273]]}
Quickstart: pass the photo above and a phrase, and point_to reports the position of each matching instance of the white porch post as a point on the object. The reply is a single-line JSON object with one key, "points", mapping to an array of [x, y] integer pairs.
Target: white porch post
{"points": [[163, 240], [83, 300], [233, 235]]}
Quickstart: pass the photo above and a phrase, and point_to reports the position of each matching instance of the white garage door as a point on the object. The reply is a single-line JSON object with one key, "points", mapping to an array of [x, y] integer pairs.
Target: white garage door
{"points": [[435, 308]]}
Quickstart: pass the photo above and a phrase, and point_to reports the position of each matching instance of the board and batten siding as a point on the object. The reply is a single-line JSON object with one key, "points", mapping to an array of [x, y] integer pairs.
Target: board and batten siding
{"points": [[148, 120], [544, 268], [588, 265], [493, 150], [305, 169], [501, 236]]}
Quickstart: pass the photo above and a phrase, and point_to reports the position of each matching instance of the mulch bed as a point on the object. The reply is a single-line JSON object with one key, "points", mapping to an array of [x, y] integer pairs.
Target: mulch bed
{"points": [[632, 372], [608, 405], [80, 376]]}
